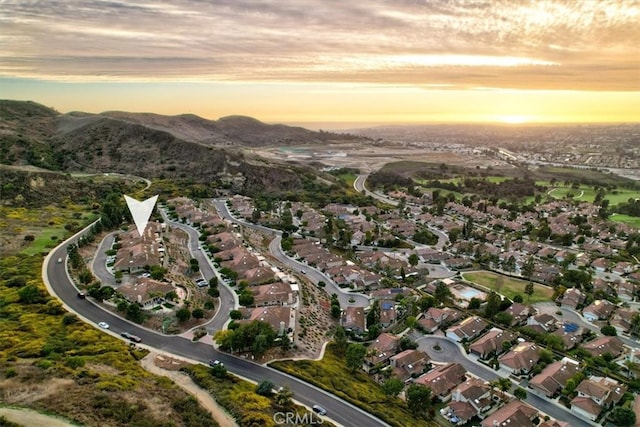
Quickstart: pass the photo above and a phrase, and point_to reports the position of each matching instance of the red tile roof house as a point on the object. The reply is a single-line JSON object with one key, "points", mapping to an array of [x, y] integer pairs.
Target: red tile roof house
{"points": [[490, 344], [277, 317], [146, 292], [603, 345], [381, 350], [554, 377], [598, 310], [435, 318], [521, 359], [514, 413], [573, 297], [468, 329], [472, 397], [519, 312], [443, 380], [277, 293], [596, 394], [546, 322], [409, 364], [622, 319], [354, 320], [570, 333], [626, 291]]}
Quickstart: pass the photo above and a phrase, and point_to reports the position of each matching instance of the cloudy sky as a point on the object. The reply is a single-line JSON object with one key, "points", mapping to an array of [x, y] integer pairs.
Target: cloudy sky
{"points": [[328, 61]]}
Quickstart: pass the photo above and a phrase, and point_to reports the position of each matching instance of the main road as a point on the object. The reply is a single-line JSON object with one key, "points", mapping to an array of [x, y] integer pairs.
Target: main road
{"points": [[60, 284]]}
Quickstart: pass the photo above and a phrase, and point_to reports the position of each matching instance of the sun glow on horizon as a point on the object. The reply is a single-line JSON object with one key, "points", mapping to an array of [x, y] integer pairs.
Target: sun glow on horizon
{"points": [[514, 119]]}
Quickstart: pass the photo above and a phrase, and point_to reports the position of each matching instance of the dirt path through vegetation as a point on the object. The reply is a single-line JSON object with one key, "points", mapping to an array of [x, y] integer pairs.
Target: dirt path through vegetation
{"points": [[30, 418], [169, 367]]}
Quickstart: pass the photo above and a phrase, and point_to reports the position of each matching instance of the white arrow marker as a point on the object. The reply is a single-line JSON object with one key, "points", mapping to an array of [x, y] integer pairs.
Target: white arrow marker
{"points": [[141, 211]]}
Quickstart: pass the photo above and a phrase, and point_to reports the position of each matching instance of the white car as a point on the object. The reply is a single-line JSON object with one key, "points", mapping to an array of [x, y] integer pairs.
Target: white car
{"points": [[103, 325]]}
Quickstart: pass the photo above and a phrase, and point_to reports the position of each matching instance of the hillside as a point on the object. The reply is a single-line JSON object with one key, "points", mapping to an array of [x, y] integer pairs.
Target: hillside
{"points": [[184, 147]]}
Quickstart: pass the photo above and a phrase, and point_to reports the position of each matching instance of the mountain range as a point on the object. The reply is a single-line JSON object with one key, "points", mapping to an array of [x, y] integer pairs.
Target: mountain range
{"points": [[152, 146]]}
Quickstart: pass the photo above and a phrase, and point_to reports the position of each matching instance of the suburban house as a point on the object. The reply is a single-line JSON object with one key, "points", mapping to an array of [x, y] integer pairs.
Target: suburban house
{"points": [[514, 413], [277, 293], [570, 333], [409, 364], [443, 380], [137, 252], [381, 350], [622, 319], [521, 359], [603, 345], [469, 399], [280, 318], [146, 292], [519, 312], [388, 313], [554, 377], [598, 310], [596, 394], [468, 329], [542, 322], [572, 297], [491, 343], [435, 318], [354, 320]]}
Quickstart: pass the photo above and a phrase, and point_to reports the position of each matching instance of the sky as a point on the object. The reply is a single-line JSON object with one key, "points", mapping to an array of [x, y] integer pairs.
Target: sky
{"points": [[328, 61]]}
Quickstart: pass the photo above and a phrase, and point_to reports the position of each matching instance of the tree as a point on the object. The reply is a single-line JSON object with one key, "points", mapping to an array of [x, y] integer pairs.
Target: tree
{"points": [[30, 294], [520, 393], [284, 343], [609, 331], [418, 399], [340, 340], [493, 305], [528, 290], [265, 388], [355, 356], [392, 387], [407, 343], [373, 316], [260, 345], [503, 318], [197, 313], [623, 417], [474, 303], [442, 294], [183, 314], [502, 384], [134, 313], [413, 260], [283, 397]]}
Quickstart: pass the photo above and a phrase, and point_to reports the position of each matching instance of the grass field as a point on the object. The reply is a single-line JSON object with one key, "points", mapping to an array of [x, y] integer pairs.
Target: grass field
{"points": [[631, 220], [510, 287], [585, 193]]}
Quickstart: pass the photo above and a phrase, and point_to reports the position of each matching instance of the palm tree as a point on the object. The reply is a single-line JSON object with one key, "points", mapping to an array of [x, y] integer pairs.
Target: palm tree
{"points": [[502, 384]]}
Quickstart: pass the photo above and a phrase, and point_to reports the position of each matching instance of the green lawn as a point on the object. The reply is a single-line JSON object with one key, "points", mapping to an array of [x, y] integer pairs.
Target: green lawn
{"points": [[331, 374], [586, 193], [632, 220], [510, 286]]}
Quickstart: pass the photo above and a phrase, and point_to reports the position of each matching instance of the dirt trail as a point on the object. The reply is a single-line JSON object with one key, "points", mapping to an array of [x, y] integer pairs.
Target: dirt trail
{"points": [[168, 367], [30, 418]]}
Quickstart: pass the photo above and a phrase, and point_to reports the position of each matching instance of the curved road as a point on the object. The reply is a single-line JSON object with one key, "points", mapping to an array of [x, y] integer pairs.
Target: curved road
{"points": [[60, 285]]}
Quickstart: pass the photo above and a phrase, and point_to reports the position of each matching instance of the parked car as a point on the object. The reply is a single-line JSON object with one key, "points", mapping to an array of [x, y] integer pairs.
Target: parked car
{"points": [[59, 260], [82, 295], [131, 337], [319, 410], [103, 325], [213, 363], [125, 335]]}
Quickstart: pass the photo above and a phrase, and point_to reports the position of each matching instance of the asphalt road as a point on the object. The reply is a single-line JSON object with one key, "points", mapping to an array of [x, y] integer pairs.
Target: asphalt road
{"points": [[55, 275]]}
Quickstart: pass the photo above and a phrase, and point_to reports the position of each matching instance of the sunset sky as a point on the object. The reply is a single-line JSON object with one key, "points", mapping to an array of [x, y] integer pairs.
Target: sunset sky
{"points": [[303, 61]]}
